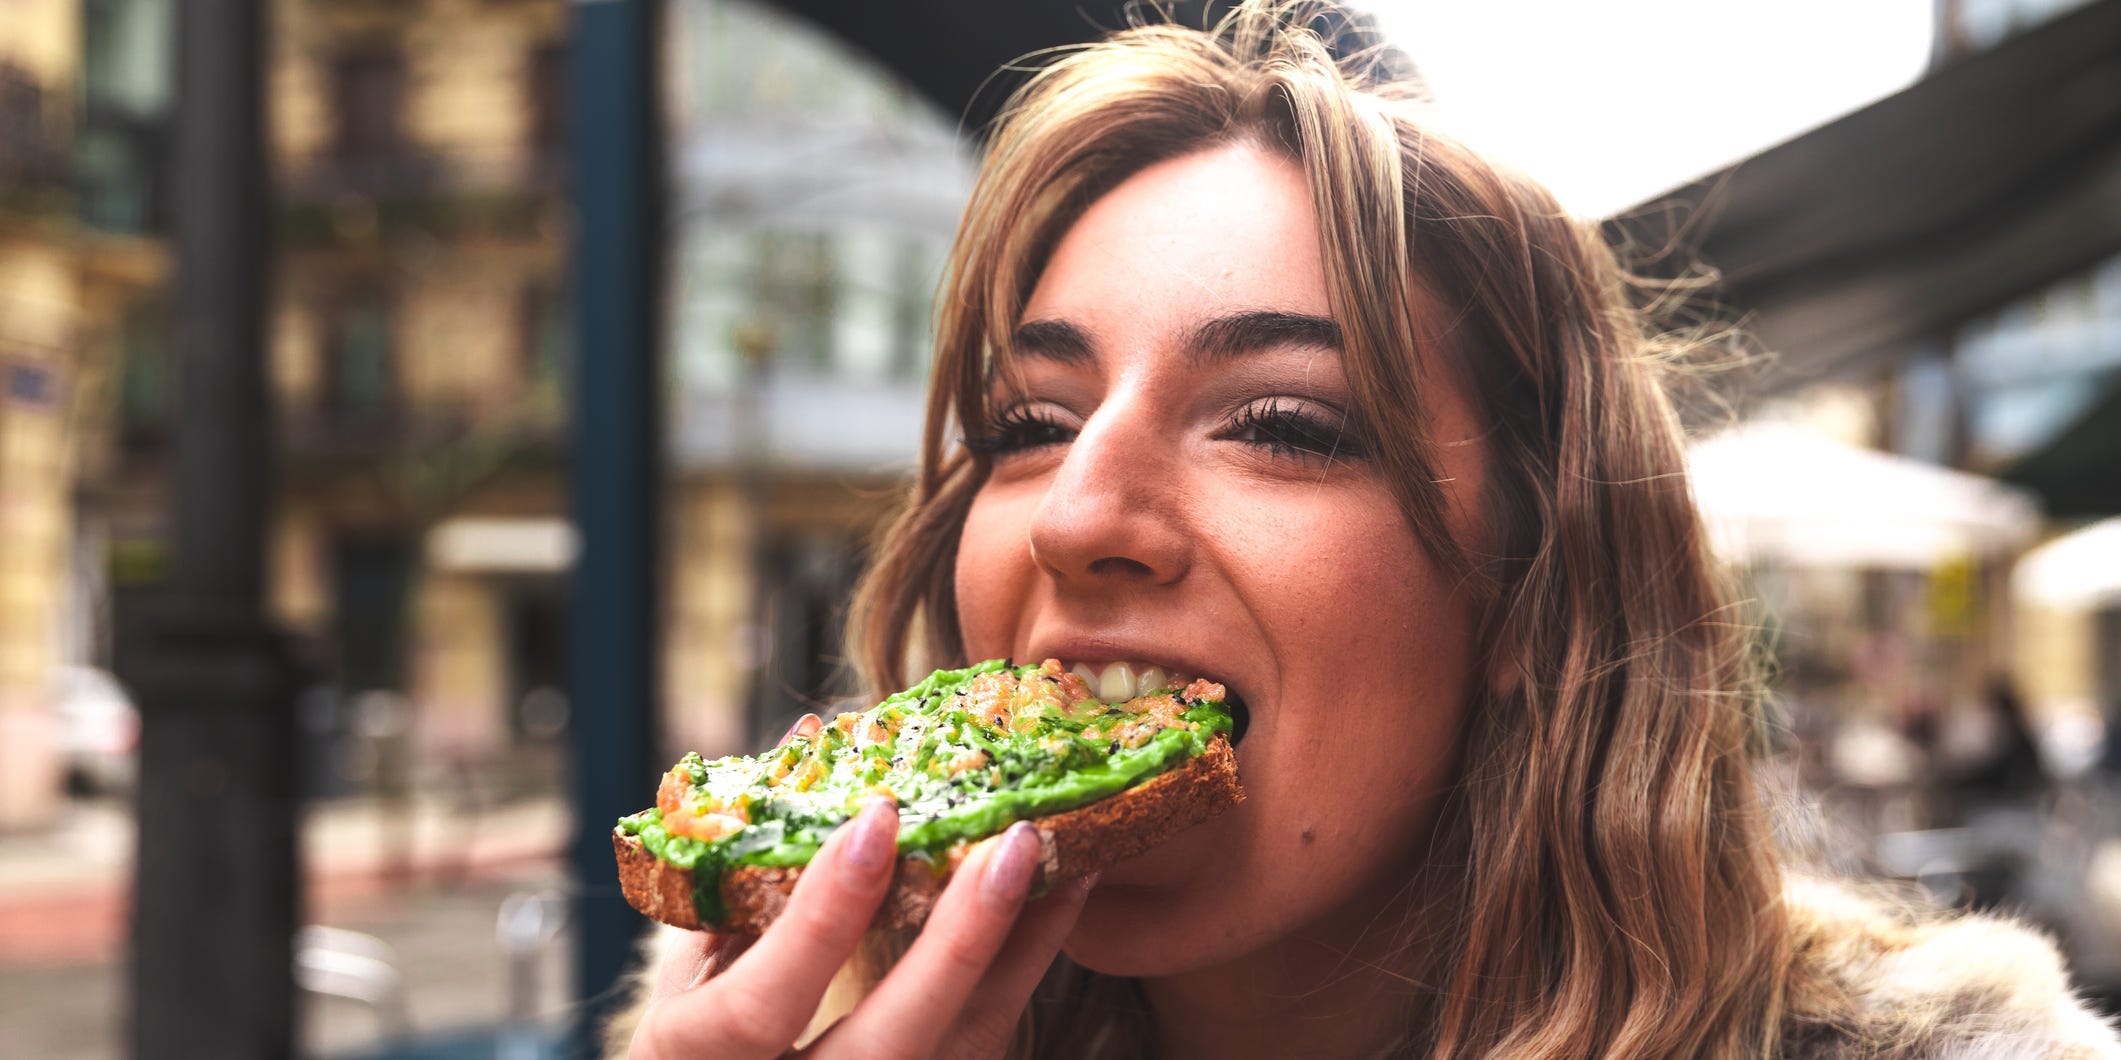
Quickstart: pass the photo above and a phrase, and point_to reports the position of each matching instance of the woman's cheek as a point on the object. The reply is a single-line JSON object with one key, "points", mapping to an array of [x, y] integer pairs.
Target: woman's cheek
{"points": [[991, 576]]}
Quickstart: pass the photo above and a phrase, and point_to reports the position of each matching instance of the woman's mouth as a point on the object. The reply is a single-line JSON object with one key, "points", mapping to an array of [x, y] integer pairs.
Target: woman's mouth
{"points": [[1117, 682], [1240, 714]]}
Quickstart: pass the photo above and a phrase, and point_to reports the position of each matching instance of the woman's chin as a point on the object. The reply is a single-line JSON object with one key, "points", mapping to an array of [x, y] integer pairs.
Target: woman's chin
{"points": [[1151, 915], [1137, 932]]}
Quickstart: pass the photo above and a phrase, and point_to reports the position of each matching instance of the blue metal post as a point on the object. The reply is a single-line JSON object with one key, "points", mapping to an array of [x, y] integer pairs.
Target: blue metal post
{"points": [[616, 466]]}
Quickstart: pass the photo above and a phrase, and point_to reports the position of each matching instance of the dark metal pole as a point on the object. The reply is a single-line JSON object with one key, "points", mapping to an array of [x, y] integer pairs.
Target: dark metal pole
{"points": [[215, 882], [616, 468]]}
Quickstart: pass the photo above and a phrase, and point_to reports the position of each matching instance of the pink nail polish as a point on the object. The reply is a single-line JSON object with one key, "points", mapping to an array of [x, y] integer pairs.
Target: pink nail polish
{"points": [[1009, 868], [874, 843]]}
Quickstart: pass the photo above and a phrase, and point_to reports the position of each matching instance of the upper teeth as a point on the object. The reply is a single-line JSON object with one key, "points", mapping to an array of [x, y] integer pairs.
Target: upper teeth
{"points": [[1120, 681]]}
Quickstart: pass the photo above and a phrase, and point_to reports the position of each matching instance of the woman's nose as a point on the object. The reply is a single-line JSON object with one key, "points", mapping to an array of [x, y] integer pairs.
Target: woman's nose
{"points": [[1112, 514]]}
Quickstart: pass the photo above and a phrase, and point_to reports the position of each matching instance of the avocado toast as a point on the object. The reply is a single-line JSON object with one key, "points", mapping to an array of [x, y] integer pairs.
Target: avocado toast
{"points": [[964, 753]]}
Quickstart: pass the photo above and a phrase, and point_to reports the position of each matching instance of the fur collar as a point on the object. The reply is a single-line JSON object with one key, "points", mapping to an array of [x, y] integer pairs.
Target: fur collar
{"points": [[1875, 981]]}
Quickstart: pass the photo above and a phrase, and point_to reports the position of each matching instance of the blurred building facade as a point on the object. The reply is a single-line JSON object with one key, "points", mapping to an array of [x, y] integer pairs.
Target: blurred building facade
{"points": [[813, 201], [420, 344], [73, 259]]}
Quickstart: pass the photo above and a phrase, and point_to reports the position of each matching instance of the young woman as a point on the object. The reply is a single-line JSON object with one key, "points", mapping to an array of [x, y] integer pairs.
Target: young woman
{"points": [[1243, 371]]}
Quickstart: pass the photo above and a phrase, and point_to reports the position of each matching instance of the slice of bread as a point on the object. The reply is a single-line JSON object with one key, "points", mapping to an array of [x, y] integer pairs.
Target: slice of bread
{"points": [[1073, 843]]}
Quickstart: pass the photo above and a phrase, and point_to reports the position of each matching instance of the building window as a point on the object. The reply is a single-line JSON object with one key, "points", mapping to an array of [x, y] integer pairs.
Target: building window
{"points": [[916, 305], [547, 93], [370, 577], [798, 287], [120, 162], [363, 364], [143, 380], [368, 98], [27, 155]]}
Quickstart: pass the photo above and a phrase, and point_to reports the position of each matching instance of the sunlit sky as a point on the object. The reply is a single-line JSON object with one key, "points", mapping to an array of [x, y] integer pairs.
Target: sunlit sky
{"points": [[1609, 102]]}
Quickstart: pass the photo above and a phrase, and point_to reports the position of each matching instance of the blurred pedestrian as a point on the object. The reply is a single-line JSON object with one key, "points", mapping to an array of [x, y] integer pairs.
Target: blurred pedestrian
{"points": [[2008, 768]]}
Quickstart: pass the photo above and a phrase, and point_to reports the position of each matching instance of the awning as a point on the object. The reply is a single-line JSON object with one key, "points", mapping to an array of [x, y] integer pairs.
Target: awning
{"points": [[1987, 180], [961, 53]]}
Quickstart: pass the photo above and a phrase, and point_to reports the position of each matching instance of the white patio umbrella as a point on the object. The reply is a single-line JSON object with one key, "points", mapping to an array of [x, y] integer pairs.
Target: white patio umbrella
{"points": [[1784, 494]]}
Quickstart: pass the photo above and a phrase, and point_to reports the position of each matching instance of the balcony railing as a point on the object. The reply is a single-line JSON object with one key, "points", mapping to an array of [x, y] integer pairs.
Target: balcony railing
{"points": [[415, 174], [328, 430]]}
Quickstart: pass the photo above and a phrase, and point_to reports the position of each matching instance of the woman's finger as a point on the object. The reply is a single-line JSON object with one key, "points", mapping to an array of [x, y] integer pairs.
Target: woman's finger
{"points": [[987, 1024], [911, 1010], [766, 997]]}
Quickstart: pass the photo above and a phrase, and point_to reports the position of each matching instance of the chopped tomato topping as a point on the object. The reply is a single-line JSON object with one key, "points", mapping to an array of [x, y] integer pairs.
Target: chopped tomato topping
{"points": [[1073, 690], [989, 697], [1204, 689], [707, 826], [873, 733], [670, 796]]}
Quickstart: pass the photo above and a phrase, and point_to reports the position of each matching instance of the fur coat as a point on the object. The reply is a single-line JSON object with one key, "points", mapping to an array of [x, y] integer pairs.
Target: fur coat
{"points": [[1869, 980]]}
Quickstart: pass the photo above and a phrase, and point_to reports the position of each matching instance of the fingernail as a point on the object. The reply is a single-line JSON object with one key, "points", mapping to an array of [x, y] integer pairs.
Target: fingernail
{"points": [[1009, 868], [805, 726], [875, 838]]}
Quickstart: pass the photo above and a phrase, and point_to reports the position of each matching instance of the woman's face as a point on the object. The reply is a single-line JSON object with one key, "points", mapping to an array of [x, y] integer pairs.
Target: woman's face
{"points": [[1171, 487]]}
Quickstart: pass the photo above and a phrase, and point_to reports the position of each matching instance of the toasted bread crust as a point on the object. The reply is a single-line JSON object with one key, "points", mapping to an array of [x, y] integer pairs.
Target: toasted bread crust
{"points": [[1074, 843]]}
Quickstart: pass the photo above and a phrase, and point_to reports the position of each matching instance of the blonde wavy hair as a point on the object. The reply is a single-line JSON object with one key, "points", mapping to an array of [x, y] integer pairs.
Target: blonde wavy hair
{"points": [[1619, 886]]}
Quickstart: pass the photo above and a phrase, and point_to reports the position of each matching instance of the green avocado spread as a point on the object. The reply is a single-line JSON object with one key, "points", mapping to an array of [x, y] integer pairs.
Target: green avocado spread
{"points": [[964, 753]]}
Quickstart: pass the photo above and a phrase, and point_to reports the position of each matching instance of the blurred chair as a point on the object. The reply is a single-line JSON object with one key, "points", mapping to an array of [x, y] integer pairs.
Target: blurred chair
{"points": [[335, 962], [1973, 868], [528, 923]]}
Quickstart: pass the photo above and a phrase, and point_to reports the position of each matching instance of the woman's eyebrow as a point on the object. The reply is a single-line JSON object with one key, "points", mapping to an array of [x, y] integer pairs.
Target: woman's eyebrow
{"points": [[1212, 341], [1052, 340], [1259, 330]]}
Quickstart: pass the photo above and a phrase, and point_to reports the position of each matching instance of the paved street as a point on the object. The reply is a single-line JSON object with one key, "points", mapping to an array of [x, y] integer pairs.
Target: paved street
{"points": [[455, 977], [62, 910]]}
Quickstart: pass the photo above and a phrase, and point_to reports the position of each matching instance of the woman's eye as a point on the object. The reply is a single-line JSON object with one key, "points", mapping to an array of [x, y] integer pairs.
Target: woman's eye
{"points": [[1017, 429], [1288, 431]]}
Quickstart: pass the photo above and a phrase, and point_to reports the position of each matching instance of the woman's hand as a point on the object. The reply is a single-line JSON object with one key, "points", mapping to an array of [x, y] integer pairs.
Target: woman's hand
{"points": [[958, 992]]}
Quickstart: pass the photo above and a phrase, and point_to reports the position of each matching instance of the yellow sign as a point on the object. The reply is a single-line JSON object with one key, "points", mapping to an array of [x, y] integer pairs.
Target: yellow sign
{"points": [[1955, 597]]}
